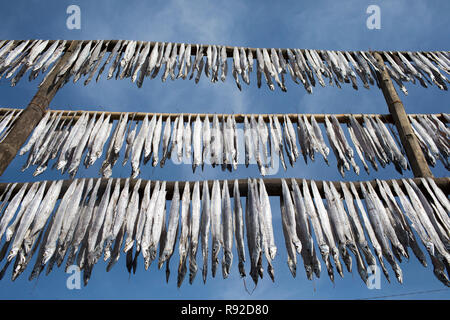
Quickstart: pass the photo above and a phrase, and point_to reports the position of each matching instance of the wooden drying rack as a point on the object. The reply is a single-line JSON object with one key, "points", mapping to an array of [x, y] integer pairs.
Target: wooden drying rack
{"points": [[40, 102]]}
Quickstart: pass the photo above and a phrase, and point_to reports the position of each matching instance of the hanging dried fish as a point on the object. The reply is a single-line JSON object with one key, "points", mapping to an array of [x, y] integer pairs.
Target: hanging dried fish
{"points": [[166, 141], [194, 231], [183, 246], [148, 212], [205, 228]]}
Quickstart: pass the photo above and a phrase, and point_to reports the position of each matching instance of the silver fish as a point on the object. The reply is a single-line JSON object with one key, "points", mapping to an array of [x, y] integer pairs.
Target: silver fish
{"points": [[100, 140], [140, 62], [439, 194], [356, 226], [182, 63], [50, 245], [179, 137], [428, 219], [224, 64], [156, 141], [253, 235], [303, 229], [146, 236], [216, 232], [342, 163], [172, 229], [239, 228], [194, 231], [344, 145], [36, 133], [370, 231], [337, 225], [313, 216], [411, 241], [390, 232], [70, 217], [183, 246], [205, 224], [11, 209], [291, 255], [141, 218], [378, 227], [158, 222], [93, 234], [148, 142], [290, 217], [82, 57], [166, 141], [206, 138], [97, 63], [244, 66], [92, 136], [138, 147], [131, 216], [247, 141], [173, 146], [117, 52], [26, 221], [326, 227], [255, 141], [197, 144], [84, 219], [188, 59], [187, 137], [264, 135], [153, 58], [80, 147], [127, 57], [227, 231]]}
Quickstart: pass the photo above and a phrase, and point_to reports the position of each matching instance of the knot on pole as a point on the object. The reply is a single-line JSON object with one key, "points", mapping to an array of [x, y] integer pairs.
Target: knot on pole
{"points": [[41, 102]]}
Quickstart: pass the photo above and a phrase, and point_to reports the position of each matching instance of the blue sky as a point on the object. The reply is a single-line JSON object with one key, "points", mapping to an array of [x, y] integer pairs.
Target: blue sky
{"points": [[324, 24]]}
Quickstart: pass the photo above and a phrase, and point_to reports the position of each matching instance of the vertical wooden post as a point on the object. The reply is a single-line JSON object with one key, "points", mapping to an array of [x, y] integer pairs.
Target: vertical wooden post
{"points": [[414, 153], [34, 112]]}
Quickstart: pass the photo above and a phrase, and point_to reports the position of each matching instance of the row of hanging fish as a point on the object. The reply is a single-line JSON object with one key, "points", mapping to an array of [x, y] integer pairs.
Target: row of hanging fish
{"points": [[137, 60], [91, 221], [219, 143], [7, 122], [433, 137]]}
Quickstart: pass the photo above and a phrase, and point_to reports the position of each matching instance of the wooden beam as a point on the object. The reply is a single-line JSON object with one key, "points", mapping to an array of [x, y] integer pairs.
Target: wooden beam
{"points": [[32, 114], [409, 140], [273, 185], [139, 116]]}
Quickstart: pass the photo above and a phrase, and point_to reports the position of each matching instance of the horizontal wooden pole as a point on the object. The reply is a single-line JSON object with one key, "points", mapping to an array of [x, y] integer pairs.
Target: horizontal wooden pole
{"points": [[273, 185], [138, 116], [229, 49]]}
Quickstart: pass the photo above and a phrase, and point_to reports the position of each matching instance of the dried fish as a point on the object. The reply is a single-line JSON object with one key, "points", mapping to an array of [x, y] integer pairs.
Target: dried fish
{"points": [[194, 231], [227, 231], [183, 246]]}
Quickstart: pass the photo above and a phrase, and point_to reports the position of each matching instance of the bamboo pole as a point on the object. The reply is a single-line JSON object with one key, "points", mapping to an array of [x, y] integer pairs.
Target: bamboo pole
{"points": [[32, 114], [139, 116], [273, 185], [409, 141]]}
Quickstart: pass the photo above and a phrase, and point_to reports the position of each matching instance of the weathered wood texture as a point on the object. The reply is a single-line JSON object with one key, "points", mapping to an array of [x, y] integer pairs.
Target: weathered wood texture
{"points": [[409, 141], [31, 115], [138, 116], [273, 185]]}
